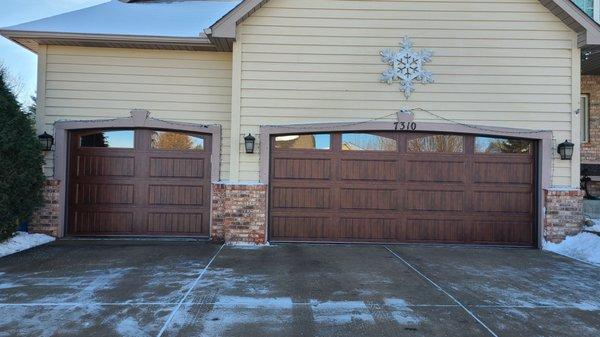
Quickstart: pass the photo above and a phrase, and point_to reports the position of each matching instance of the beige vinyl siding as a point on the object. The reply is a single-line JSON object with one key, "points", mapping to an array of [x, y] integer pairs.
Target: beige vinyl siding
{"points": [[103, 83], [503, 63]]}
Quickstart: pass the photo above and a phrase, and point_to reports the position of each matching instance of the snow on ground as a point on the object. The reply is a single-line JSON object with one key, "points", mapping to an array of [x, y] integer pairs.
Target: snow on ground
{"points": [[584, 246], [23, 241]]}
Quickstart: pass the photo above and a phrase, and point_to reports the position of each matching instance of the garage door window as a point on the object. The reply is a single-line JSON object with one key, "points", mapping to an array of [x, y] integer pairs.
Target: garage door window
{"points": [[123, 139], [489, 145], [163, 140], [436, 143], [304, 142], [367, 142]]}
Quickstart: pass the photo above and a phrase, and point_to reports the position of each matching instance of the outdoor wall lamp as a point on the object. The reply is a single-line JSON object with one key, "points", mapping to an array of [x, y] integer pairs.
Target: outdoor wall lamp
{"points": [[47, 141], [566, 150], [249, 142]]}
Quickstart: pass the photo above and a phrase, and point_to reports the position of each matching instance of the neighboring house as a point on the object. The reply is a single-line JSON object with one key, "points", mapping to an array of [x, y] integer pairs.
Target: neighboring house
{"points": [[590, 7], [154, 107]]}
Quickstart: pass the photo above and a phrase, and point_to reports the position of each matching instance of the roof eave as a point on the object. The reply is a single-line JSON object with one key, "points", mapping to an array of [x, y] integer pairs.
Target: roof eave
{"points": [[588, 30], [108, 40]]}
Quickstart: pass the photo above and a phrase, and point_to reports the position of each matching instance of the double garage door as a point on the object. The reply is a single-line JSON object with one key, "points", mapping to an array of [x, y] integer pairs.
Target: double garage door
{"points": [[402, 187], [139, 182]]}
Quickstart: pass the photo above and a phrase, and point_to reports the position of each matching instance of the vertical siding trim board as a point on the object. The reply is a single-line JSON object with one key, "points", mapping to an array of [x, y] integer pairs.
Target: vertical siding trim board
{"points": [[236, 104], [544, 140], [575, 120], [40, 114], [138, 119]]}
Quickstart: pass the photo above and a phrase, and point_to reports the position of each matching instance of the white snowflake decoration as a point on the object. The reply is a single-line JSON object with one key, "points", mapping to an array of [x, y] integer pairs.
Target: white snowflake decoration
{"points": [[406, 66]]}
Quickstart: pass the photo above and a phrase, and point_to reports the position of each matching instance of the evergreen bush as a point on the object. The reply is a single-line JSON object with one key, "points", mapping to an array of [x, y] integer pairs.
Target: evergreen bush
{"points": [[21, 160]]}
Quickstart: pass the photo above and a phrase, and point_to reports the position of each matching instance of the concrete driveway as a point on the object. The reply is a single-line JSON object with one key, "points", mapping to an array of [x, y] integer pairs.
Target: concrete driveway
{"points": [[144, 288]]}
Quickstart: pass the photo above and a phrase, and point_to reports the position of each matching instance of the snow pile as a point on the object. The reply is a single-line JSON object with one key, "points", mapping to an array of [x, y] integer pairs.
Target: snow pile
{"points": [[23, 241], [584, 246]]}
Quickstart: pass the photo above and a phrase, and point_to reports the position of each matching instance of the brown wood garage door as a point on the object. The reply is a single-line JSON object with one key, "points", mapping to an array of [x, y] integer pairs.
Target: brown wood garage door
{"points": [[139, 182], [402, 187]]}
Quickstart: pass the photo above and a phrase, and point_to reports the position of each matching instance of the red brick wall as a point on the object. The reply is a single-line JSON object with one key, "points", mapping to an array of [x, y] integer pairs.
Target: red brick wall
{"points": [[45, 220], [564, 214], [239, 213], [590, 152]]}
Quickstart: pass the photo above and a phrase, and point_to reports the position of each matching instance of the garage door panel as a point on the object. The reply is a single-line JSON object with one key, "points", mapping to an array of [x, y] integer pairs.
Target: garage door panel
{"points": [[104, 166], [103, 222], [367, 199], [517, 232], [502, 188], [177, 167], [176, 223], [104, 194], [309, 228], [299, 197], [294, 168], [433, 230], [370, 170], [495, 201], [435, 200], [502, 173], [435, 171], [393, 196], [175, 195], [351, 229]]}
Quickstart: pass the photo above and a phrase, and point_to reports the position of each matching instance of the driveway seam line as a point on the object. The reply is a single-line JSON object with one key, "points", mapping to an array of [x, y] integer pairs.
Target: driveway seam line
{"points": [[172, 315], [443, 291], [73, 304], [141, 304]]}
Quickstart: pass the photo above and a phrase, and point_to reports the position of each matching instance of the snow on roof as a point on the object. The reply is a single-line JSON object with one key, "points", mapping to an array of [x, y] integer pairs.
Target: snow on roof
{"points": [[164, 18]]}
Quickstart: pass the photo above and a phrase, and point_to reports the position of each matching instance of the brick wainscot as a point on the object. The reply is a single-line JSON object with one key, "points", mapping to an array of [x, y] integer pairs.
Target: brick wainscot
{"points": [[46, 219], [239, 213], [564, 214]]}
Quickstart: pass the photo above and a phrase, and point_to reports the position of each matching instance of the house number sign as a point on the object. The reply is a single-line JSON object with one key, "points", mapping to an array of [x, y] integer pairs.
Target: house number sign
{"points": [[406, 126]]}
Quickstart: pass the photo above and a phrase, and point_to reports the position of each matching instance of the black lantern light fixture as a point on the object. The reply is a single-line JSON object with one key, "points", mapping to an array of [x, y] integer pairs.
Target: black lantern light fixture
{"points": [[47, 141], [566, 150], [249, 141]]}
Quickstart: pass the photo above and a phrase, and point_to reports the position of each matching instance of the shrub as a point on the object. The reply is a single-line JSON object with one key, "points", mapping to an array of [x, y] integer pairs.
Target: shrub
{"points": [[21, 176]]}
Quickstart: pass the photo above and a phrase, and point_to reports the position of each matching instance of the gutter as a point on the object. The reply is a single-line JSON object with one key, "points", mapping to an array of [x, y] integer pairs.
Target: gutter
{"points": [[201, 42]]}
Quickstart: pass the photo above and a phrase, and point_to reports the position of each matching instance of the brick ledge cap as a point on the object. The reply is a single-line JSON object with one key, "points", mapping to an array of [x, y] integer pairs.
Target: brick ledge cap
{"points": [[245, 244], [562, 189], [237, 183]]}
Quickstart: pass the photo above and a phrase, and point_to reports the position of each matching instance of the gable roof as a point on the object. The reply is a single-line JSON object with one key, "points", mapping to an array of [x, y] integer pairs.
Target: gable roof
{"points": [[178, 24], [222, 33]]}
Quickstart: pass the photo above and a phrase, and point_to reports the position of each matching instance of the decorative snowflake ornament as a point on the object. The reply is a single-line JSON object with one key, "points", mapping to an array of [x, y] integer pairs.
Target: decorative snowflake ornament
{"points": [[406, 66]]}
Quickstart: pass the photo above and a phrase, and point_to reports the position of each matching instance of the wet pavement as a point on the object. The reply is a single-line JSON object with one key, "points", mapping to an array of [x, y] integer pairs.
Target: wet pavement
{"points": [[171, 288]]}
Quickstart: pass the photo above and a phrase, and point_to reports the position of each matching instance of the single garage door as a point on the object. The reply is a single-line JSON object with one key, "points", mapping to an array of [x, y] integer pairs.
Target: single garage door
{"points": [[139, 182], [402, 187]]}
